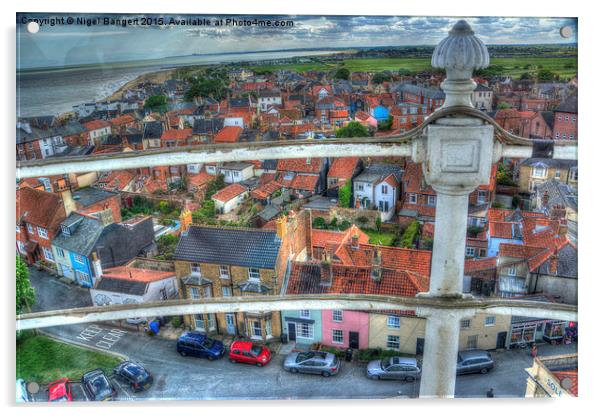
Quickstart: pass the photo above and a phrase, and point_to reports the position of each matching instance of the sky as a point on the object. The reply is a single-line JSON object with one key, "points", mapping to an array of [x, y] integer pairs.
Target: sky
{"points": [[76, 44]]}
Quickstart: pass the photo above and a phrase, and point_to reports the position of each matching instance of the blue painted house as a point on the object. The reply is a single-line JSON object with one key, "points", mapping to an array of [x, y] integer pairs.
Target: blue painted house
{"points": [[85, 245], [302, 326], [381, 113]]}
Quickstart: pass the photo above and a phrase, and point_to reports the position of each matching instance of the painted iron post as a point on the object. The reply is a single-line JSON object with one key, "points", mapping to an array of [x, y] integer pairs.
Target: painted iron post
{"points": [[456, 156]]}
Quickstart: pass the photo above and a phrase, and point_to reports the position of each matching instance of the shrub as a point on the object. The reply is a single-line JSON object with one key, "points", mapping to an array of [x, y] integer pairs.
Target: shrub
{"points": [[319, 223], [333, 223], [177, 322], [473, 231], [345, 195], [410, 234], [362, 220], [378, 223], [345, 225]]}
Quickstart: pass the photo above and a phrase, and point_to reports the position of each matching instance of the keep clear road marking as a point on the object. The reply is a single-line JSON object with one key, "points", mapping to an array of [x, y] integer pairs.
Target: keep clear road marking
{"points": [[100, 337]]}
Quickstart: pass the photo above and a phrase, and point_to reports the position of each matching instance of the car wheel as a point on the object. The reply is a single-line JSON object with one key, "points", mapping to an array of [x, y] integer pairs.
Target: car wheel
{"points": [[210, 358], [374, 377], [484, 370], [293, 370], [233, 361], [410, 379], [259, 364], [182, 352], [326, 374]]}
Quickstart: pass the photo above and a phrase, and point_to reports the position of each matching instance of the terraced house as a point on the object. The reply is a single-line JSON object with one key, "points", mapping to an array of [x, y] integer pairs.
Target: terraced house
{"points": [[225, 262]]}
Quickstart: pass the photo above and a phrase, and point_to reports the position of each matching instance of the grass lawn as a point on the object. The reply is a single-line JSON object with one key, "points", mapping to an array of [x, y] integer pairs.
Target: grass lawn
{"points": [[512, 66], [384, 238], [43, 360]]}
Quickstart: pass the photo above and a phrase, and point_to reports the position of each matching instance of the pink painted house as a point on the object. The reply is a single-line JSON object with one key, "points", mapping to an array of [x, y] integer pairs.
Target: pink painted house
{"points": [[345, 329]]}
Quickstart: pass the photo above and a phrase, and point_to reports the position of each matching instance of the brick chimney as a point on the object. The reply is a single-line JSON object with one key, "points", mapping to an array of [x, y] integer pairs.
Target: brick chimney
{"points": [[545, 198], [554, 263], [558, 212], [281, 227], [68, 201], [563, 227], [325, 270], [355, 240], [376, 269]]}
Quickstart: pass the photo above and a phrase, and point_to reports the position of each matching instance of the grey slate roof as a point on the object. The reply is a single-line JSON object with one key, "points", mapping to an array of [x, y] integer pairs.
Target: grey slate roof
{"points": [[568, 105], [119, 243], [119, 285], [207, 126], [562, 164], [559, 194], [567, 263], [153, 129], [83, 237], [90, 195], [229, 246], [378, 172], [421, 91]]}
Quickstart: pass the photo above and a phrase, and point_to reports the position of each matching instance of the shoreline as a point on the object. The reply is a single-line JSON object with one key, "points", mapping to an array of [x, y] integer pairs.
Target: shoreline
{"points": [[157, 77]]}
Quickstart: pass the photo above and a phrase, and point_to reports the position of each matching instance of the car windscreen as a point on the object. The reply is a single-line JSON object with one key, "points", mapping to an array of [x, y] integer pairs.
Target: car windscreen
{"points": [[99, 385], [207, 343], [135, 372], [385, 363], [256, 350]]}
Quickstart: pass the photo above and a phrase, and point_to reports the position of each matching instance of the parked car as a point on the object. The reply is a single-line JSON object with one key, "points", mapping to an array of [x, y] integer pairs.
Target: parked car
{"points": [[315, 362], [97, 386], [474, 361], [22, 395], [401, 368], [134, 374], [247, 352], [200, 345], [60, 390]]}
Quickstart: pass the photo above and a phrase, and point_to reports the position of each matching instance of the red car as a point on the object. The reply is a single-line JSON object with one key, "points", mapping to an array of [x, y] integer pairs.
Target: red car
{"points": [[247, 352], [60, 390]]}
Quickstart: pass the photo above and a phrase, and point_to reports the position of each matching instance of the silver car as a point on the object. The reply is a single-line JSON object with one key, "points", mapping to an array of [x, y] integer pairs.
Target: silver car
{"points": [[400, 368], [314, 362], [474, 361]]}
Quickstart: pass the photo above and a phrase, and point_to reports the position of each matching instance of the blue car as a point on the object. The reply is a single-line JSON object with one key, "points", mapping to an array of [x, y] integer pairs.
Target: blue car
{"points": [[200, 345]]}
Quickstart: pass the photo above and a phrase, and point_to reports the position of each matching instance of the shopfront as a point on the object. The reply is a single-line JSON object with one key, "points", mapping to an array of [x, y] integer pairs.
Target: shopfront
{"points": [[554, 331], [524, 330]]}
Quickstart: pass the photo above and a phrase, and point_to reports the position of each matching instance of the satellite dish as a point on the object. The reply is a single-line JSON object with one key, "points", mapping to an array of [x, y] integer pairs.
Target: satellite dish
{"points": [[566, 383]]}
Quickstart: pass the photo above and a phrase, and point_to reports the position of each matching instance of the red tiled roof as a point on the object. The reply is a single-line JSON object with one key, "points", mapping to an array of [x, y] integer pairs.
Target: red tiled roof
{"points": [[305, 279], [266, 190], [362, 116], [339, 114], [300, 165], [228, 134], [305, 182], [229, 192], [136, 274], [176, 134], [480, 264], [322, 238], [117, 180], [343, 167], [96, 125], [122, 119], [40, 208], [500, 230], [200, 178], [569, 374], [412, 180]]}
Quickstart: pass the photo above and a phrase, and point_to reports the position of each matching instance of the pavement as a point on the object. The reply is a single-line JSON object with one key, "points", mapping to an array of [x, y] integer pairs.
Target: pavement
{"points": [[190, 378]]}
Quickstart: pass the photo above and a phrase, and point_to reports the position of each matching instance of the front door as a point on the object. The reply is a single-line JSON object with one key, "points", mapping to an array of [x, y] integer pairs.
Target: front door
{"points": [[230, 326], [292, 332], [501, 340], [354, 340], [419, 346]]}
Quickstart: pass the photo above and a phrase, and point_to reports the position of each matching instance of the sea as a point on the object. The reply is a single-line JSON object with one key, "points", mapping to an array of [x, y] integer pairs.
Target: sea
{"points": [[54, 91]]}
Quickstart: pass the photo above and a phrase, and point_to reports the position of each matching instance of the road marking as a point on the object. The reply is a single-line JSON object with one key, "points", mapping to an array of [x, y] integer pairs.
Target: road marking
{"points": [[108, 336]]}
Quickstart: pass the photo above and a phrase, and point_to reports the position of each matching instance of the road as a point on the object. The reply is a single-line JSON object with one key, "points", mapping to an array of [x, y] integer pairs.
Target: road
{"points": [[190, 378]]}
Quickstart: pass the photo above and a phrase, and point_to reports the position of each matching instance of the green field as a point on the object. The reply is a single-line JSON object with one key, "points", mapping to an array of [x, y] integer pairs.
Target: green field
{"points": [[511, 66], [43, 360]]}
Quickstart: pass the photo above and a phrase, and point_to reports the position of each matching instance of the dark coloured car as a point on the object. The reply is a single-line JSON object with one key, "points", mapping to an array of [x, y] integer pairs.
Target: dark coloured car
{"points": [[247, 352], [315, 362], [60, 390], [400, 368], [200, 345], [97, 386], [134, 375], [474, 361]]}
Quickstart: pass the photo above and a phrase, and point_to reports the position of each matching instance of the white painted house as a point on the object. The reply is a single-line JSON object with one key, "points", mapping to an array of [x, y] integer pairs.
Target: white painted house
{"points": [[229, 198], [141, 280], [267, 99], [235, 172], [377, 188]]}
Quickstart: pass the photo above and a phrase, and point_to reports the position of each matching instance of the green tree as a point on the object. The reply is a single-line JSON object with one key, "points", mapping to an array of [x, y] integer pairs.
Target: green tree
{"points": [[166, 244], [405, 72], [318, 223], [503, 106], [410, 234], [342, 73], [353, 129], [214, 186], [378, 223], [345, 194], [546, 75], [156, 103], [380, 77], [526, 76], [386, 125], [26, 296], [206, 213]]}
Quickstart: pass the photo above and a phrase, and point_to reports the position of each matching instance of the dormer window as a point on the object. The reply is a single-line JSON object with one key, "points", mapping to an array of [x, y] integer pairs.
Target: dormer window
{"points": [[65, 230]]}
